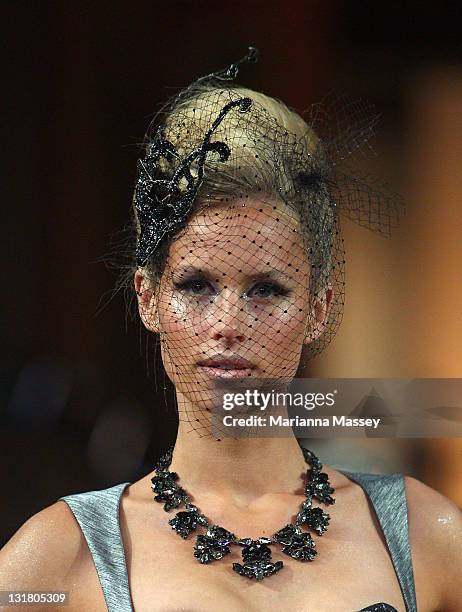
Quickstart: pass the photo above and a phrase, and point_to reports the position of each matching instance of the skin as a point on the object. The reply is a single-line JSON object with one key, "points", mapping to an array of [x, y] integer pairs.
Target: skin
{"points": [[242, 292], [250, 475]]}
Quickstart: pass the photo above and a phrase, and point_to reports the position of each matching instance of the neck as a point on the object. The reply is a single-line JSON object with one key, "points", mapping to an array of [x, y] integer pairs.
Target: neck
{"points": [[239, 470]]}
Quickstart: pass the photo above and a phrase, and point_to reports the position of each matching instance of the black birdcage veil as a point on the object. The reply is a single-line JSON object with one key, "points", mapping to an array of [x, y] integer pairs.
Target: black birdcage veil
{"points": [[237, 205]]}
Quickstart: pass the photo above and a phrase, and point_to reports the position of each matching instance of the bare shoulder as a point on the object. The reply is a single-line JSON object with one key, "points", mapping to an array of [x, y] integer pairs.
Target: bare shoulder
{"points": [[436, 514], [416, 490], [41, 555], [435, 532]]}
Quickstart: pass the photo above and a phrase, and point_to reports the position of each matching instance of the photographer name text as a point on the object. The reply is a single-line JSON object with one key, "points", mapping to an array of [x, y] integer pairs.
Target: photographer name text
{"points": [[280, 421]]}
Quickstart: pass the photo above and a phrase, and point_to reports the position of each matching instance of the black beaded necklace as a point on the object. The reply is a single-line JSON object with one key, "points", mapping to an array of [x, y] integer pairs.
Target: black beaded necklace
{"points": [[256, 554]]}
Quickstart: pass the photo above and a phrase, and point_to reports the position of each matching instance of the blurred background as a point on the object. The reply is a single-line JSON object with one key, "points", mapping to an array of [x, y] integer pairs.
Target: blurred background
{"points": [[83, 407]]}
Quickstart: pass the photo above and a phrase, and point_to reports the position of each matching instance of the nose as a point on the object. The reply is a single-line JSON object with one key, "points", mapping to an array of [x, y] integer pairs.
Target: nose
{"points": [[229, 324]]}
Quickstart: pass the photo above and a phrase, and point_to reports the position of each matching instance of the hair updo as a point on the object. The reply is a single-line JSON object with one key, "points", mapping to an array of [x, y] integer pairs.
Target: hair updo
{"points": [[272, 157]]}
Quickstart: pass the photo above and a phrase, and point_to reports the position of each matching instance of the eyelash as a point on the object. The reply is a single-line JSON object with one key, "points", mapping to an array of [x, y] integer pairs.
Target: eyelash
{"points": [[188, 285]]}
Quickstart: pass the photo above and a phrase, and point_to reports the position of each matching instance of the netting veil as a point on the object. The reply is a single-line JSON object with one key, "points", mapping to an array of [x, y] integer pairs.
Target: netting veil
{"points": [[239, 253]]}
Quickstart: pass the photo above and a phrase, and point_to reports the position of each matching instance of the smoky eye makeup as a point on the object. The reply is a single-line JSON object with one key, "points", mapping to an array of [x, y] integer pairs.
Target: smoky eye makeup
{"points": [[195, 285], [200, 285], [267, 289]]}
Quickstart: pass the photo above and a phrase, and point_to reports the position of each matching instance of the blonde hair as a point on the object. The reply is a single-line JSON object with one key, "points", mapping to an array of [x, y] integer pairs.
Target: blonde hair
{"points": [[262, 143], [252, 141]]}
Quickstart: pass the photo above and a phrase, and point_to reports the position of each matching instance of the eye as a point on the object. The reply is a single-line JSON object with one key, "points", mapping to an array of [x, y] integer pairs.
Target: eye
{"points": [[267, 290], [195, 286]]}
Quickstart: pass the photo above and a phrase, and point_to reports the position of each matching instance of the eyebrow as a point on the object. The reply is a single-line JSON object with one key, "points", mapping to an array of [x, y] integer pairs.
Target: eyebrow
{"points": [[271, 273]]}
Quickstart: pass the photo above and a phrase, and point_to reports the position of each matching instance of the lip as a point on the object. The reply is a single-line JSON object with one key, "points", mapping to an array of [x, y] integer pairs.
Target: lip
{"points": [[229, 373], [226, 367], [234, 362]]}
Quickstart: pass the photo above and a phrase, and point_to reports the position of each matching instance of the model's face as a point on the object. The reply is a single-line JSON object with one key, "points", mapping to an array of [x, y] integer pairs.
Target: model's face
{"points": [[235, 287]]}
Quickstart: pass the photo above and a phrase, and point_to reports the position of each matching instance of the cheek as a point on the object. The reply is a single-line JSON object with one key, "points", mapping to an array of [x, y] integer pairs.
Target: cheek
{"points": [[185, 324], [179, 321], [287, 325]]}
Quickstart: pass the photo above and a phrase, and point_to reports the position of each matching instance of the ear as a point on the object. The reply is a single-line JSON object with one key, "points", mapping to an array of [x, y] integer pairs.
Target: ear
{"points": [[147, 306], [319, 314]]}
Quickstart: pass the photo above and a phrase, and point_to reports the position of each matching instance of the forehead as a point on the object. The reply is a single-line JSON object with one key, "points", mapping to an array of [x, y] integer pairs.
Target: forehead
{"points": [[246, 232]]}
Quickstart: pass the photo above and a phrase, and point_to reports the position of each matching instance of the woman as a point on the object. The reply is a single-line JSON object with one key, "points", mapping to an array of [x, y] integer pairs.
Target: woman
{"points": [[239, 270]]}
